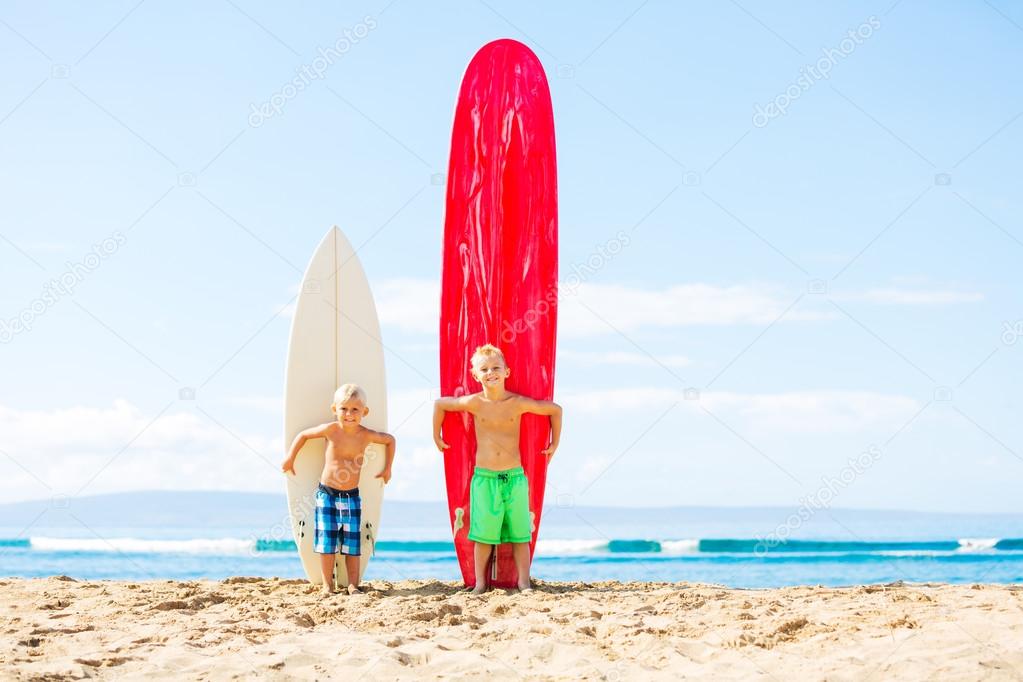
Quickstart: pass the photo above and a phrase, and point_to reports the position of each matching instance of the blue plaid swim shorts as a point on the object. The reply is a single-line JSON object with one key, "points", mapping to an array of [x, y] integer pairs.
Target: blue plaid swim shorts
{"points": [[338, 520]]}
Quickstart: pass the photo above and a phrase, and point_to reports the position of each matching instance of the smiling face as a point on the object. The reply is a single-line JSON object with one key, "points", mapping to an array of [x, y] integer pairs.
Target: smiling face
{"points": [[350, 412], [490, 371]]}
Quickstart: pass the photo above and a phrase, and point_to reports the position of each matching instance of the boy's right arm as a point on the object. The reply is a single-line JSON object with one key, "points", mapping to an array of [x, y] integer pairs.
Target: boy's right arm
{"points": [[300, 440], [465, 403]]}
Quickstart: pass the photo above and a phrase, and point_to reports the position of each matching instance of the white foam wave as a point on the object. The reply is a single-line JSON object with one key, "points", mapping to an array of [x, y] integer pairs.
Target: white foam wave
{"points": [[138, 546], [563, 547], [680, 546], [977, 544]]}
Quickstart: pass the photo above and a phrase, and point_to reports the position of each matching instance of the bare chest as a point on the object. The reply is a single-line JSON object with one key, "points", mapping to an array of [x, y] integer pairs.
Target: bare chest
{"points": [[498, 418], [346, 447]]}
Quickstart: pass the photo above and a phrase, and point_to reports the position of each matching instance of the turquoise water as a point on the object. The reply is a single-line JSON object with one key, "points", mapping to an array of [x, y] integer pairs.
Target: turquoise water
{"points": [[140, 554], [185, 535]]}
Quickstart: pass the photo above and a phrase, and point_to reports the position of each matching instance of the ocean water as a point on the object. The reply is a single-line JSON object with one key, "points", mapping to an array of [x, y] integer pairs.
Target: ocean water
{"points": [[732, 547], [140, 556]]}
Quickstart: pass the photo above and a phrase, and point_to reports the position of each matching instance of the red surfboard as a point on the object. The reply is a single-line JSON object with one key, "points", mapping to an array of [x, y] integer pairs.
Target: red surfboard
{"points": [[500, 268]]}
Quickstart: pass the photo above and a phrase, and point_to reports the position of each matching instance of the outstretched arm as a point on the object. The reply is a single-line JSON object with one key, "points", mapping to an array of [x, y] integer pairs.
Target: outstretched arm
{"points": [[550, 409], [463, 403], [387, 440], [300, 440]]}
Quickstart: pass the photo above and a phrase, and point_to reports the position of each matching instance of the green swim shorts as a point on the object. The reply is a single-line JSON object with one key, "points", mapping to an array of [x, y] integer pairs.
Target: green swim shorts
{"points": [[499, 506]]}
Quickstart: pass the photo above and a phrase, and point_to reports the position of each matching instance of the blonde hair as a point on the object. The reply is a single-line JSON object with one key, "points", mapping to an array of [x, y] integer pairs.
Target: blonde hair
{"points": [[347, 391], [487, 350]]}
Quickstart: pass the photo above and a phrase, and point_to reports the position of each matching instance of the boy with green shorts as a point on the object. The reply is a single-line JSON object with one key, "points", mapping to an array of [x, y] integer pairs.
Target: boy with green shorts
{"points": [[499, 491]]}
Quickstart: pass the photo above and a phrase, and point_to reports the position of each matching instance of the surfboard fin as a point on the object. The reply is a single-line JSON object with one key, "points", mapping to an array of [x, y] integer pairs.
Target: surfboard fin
{"points": [[459, 522], [371, 540]]}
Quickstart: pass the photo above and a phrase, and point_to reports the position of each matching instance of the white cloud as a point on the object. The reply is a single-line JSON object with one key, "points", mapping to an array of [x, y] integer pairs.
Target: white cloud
{"points": [[631, 308], [822, 411], [127, 448], [818, 411], [418, 472], [897, 296], [120, 447], [418, 466], [413, 305]]}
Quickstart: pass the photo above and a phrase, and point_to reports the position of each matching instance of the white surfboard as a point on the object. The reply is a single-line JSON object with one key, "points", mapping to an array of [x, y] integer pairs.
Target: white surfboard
{"points": [[335, 339]]}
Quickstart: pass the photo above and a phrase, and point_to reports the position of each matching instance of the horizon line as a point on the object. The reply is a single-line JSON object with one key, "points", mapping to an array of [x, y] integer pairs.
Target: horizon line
{"points": [[546, 505]]}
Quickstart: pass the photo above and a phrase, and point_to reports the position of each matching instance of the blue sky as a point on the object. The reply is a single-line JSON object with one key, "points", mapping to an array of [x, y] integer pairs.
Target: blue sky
{"points": [[825, 281]]}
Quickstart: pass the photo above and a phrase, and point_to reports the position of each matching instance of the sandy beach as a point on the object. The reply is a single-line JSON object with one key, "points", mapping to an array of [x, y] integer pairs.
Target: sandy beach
{"points": [[60, 628]]}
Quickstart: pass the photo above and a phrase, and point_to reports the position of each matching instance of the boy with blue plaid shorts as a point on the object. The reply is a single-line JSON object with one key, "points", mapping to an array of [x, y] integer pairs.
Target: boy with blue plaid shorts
{"points": [[338, 505], [338, 521]]}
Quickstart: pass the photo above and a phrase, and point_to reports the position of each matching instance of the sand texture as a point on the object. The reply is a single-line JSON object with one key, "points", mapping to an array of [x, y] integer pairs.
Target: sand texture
{"points": [[245, 628]]}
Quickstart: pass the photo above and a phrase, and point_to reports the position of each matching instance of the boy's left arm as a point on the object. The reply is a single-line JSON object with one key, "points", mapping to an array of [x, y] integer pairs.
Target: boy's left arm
{"points": [[387, 440], [550, 409]]}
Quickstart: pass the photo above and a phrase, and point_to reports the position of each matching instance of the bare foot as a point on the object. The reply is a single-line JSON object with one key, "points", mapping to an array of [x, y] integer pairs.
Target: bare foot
{"points": [[353, 589], [327, 591], [480, 588]]}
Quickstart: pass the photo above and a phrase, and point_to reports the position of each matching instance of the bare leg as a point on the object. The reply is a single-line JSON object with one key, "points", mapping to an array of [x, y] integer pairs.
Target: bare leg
{"points": [[481, 554], [520, 552], [327, 571], [352, 568]]}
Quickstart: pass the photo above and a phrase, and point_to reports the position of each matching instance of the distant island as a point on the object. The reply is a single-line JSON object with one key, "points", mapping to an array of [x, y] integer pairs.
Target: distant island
{"points": [[230, 509]]}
